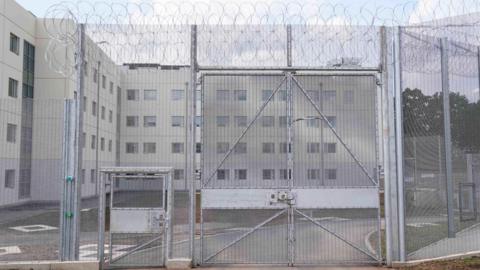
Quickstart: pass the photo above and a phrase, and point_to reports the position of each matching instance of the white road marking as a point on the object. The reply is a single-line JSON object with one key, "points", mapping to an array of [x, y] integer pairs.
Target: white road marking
{"points": [[34, 228]]}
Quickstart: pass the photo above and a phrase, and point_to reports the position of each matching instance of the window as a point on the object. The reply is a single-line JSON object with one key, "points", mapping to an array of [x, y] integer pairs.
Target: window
{"points": [[283, 174], [93, 141], [240, 121], [102, 144], [94, 108], [95, 75], [222, 147], [329, 96], [28, 71], [282, 121], [149, 148], [198, 148], [110, 116], [111, 88], [150, 94], [14, 43], [177, 121], [268, 148], [240, 148], [266, 94], [109, 145], [313, 174], [241, 174], [102, 112], [198, 121], [198, 95], [93, 176], [313, 121], [240, 95], [223, 95], [104, 82], [330, 148], [223, 121], [223, 174], [178, 174], [11, 133], [132, 121], [177, 94], [131, 148], [149, 121], [85, 68], [84, 104], [82, 176], [12, 87], [282, 95], [314, 95], [84, 139], [177, 148], [132, 94], [313, 147], [331, 174], [332, 120], [9, 179], [268, 174], [268, 121], [348, 97], [283, 147]]}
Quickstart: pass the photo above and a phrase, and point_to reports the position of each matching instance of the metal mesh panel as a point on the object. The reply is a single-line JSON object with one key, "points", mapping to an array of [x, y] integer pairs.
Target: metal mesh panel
{"points": [[341, 236], [137, 244], [428, 232], [234, 236], [31, 178], [321, 159], [244, 134]]}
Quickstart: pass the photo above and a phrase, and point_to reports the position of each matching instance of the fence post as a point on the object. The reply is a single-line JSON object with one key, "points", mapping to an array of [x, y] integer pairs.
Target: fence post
{"points": [[70, 203], [448, 138], [399, 142], [193, 186]]}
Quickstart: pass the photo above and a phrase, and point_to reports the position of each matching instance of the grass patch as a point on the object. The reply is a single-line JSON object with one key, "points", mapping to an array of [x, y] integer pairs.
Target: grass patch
{"points": [[459, 264]]}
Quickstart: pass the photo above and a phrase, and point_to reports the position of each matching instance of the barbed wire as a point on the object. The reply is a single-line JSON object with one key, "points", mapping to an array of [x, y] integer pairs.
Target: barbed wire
{"points": [[254, 33]]}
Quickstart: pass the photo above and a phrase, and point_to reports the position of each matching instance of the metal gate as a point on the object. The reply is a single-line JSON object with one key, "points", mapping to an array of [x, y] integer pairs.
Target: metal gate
{"points": [[289, 168], [139, 231]]}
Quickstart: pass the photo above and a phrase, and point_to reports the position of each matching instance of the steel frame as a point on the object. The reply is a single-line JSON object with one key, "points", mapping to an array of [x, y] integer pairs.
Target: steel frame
{"points": [[139, 173], [290, 80]]}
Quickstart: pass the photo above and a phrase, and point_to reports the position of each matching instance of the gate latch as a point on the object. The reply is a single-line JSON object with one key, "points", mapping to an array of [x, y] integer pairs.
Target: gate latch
{"points": [[282, 196]]}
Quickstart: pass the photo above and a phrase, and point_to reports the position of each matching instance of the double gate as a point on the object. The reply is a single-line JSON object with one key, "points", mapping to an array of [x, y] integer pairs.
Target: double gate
{"points": [[289, 168]]}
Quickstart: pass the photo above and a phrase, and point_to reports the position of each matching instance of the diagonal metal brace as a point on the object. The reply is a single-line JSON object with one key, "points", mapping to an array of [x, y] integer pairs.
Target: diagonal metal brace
{"points": [[336, 235], [260, 110], [324, 118], [252, 230]]}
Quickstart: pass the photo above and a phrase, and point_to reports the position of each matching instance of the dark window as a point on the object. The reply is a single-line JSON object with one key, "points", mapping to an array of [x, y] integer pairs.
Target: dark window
{"points": [[28, 69], [14, 43], [12, 87], [9, 179]]}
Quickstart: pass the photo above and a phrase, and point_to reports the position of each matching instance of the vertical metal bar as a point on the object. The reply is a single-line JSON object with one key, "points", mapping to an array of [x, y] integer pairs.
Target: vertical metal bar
{"points": [[290, 169], [170, 216], [448, 138], [78, 153], [377, 99], [186, 123], [478, 66], [399, 141], [289, 45], [112, 187], [101, 220], [165, 231], [97, 128], [193, 87], [386, 148], [68, 168]]}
